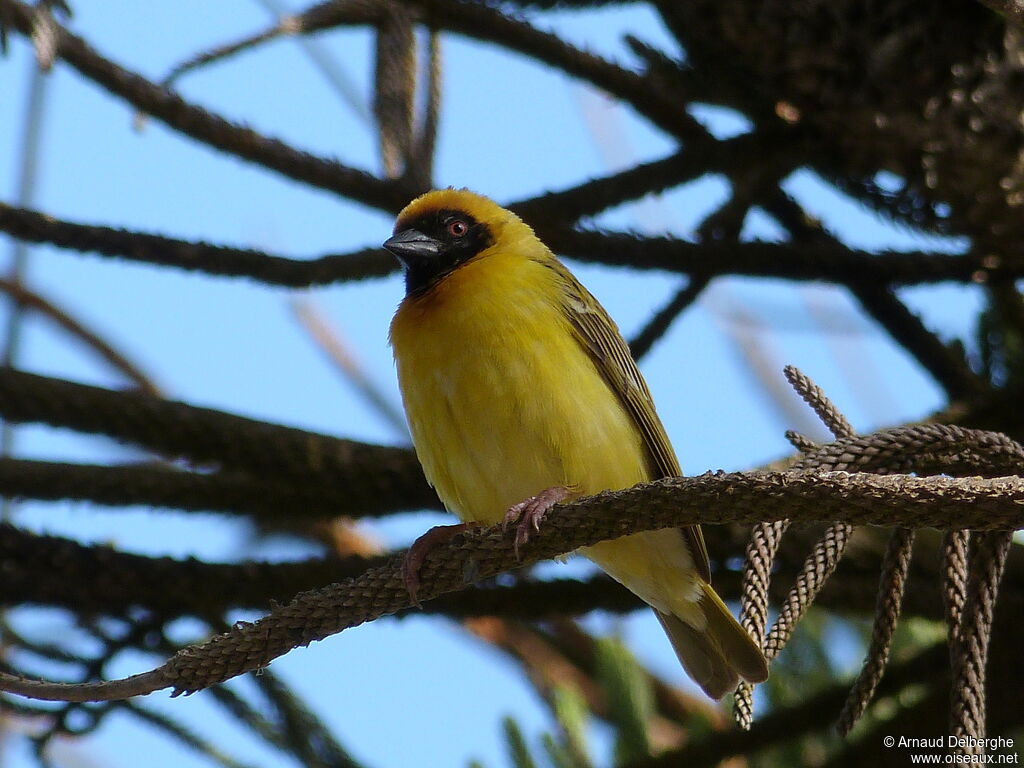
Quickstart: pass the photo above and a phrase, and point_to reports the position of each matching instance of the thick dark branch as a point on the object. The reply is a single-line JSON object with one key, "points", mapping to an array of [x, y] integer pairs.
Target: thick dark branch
{"points": [[829, 262], [665, 110], [993, 504], [924, 449], [483, 22], [891, 590], [349, 12], [825, 262], [35, 227], [204, 126], [948, 369], [48, 570], [656, 327], [58, 572], [879, 300], [367, 473], [698, 158], [274, 501]]}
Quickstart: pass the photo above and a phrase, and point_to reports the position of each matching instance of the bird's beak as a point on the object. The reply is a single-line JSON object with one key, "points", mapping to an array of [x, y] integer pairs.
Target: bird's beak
{"points": [[411, 245]]}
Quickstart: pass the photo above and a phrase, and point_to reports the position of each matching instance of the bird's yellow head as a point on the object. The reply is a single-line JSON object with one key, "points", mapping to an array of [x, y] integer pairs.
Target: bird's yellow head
{"points": [[441, 230]]}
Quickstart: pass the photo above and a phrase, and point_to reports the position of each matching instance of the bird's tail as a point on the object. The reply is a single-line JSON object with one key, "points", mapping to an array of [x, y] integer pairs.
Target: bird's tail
{"points": [[717, 656]]}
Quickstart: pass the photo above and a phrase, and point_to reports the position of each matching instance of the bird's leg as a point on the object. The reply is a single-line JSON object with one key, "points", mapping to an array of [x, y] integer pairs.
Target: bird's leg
{"points": [[528, 514], [417, 553]]}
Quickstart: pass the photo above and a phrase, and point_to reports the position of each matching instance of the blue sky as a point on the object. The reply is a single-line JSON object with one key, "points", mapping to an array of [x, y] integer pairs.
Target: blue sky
{"points": [[394, 691]]}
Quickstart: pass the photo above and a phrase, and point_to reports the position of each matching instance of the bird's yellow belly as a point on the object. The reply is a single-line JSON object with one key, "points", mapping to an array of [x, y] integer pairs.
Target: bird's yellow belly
{"points": [[503, 402], [498, 419]]}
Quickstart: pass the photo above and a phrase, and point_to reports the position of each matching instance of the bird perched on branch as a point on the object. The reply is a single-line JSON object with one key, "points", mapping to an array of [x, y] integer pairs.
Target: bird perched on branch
{"points": [[521, 393]]}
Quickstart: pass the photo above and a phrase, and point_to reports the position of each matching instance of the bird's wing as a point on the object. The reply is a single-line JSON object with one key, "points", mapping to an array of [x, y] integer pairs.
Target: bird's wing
{"points": [[606, 346]]}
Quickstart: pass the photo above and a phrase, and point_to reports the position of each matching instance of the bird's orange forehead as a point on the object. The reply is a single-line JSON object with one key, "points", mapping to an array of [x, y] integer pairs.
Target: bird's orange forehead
{"points": [[478, 207]]}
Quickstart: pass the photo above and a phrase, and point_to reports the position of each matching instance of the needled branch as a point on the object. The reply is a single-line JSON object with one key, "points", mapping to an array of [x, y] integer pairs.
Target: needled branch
{"points": [[891, 585], [483, 22], [819, 402], [993, 504], [72, 571], [949, 370], [273, 501], [927, 449], [754, 595], [192, 256], [368, 473], [834, 263], [656, 327], [698, 158], [765, 539], [59, 572], [166, 106], [395, 87], [973, 637], [879, 300]]}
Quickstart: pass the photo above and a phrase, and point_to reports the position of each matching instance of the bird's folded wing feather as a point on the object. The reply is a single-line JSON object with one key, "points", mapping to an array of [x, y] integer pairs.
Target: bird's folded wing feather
{"points": [[597, 332]]}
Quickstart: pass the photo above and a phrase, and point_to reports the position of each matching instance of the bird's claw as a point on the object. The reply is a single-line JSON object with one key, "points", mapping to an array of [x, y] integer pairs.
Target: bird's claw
{"points": [[417, 554], [529, 513]]}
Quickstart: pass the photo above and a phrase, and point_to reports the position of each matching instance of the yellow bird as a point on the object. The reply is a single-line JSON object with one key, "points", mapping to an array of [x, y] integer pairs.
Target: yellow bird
{"points": [[518, 386]]}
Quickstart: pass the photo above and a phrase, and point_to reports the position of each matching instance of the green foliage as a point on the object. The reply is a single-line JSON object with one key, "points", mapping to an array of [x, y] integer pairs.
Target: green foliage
{"points": [[566, 750], [518, 752], [806, 658], [558, 754], [572, 715], [630, 699]]}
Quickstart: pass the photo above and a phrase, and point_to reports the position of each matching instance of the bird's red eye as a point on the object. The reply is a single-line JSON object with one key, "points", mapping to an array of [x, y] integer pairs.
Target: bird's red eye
{"points": [[457, 228]]}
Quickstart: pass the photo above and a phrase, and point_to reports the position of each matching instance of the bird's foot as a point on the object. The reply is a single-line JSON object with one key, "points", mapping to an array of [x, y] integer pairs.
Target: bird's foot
{"points": [[528, 514], [418, 552]]}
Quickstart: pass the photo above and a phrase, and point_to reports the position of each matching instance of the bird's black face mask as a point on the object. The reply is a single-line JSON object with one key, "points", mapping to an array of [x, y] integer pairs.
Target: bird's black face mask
{"points": [[433, 245]]}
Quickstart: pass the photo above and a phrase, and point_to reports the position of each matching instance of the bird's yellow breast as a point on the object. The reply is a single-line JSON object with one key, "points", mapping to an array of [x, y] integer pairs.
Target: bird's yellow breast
{"points": [[503, 401]]}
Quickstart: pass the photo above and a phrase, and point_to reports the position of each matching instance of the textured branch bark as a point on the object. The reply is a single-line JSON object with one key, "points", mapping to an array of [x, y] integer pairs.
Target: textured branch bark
{"points": [[368, 474], [36, 227], [990, 504], [833, 263], [794, 261], [53, 571], [274, 502]]}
